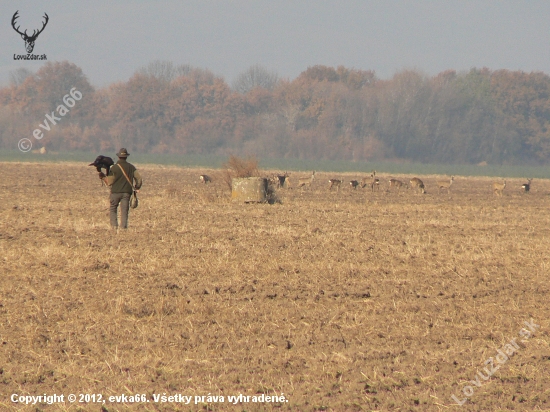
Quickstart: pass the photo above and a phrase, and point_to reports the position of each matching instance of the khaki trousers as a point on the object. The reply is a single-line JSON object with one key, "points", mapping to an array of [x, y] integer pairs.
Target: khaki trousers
{"points": [[124, 200]]}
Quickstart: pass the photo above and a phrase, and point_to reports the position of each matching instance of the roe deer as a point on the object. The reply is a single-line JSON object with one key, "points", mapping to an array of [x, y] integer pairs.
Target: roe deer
{"points": [[445, 184], [375, 182], [396, 183], [353, 184], [280, 180], [205, 179], [306, 181], [417, 183], [498, 188], [527, 186], [335, 183]]}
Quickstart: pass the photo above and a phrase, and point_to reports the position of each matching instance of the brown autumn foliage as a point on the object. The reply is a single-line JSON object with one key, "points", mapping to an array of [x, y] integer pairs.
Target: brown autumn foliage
{"points": [[239, 167], [498, 117], [342, 301]]}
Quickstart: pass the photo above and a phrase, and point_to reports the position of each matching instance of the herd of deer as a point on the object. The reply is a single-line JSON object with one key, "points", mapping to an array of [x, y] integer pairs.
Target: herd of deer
{"points": [[374, 182]]}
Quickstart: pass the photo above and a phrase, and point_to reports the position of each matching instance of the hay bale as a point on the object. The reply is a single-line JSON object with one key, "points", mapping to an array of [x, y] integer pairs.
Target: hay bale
{"points": [[249, 189]]}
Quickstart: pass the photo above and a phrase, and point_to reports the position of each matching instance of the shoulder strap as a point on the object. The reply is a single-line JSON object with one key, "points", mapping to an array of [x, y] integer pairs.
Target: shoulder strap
{"points": [[126, 176]]}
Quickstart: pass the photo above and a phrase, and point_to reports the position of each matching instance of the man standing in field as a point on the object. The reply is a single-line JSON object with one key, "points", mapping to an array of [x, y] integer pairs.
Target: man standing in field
{"points": [[120, 176]]}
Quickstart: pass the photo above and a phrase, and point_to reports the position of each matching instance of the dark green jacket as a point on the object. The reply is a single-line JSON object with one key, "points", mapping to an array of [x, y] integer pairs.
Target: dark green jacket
{"points": [[117, 180]]}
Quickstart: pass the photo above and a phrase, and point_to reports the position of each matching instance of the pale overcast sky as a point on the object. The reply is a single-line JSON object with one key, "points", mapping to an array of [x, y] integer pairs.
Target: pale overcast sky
{"points": [[111, 39]]}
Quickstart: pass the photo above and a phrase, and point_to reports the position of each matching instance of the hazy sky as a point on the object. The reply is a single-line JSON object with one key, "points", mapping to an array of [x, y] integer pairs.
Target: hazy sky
{"points": [[111, 39]]}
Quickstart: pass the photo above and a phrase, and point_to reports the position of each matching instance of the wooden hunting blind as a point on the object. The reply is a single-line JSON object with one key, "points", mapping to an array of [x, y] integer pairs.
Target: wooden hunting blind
{"points": [[249, 189]]}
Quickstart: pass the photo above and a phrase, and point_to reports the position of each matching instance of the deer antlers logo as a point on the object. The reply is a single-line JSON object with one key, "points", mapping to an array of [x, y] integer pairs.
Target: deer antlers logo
{"points": [[29, 40]]}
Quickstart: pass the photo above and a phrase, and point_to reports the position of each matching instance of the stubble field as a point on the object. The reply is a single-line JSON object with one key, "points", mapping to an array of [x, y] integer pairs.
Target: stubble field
{"points": [[340, 301]]}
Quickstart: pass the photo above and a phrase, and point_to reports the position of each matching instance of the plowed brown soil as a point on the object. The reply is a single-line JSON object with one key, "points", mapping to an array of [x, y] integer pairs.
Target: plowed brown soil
{"points": [[341, 301]]}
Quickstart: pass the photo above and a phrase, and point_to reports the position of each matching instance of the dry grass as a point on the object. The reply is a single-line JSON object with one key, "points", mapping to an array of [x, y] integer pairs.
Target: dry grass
{"points": [[238, 167], [343, 301]]}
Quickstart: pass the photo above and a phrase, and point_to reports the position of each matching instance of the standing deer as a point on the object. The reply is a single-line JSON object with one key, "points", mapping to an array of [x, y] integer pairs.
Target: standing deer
{"points": [[498, 188], [29, 40], [445, 184], [375, 182], [335, 183], [526, 186], [396, 183], [205, 179], [417, 183], [353, 184], [281, 180], [306, 181]]}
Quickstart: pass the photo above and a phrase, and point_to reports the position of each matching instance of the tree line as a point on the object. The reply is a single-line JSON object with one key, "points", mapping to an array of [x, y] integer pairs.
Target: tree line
{"points": [[493, 116]]}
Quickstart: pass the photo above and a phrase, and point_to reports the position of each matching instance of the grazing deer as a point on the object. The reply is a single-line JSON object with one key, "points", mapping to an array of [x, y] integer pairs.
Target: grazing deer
{"points": [[365, 181], [445, 184], [498, 188], [417, 183], [396, 183], [205, 179], [375, 182], [306, 181], [29, 40], [335, 183], [526, 186], [353, 184]]}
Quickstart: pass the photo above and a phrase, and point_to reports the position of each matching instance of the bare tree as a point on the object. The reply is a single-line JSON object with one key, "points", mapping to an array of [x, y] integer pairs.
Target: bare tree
{"points": [[165, 70], [19, 75], [255, 76]]}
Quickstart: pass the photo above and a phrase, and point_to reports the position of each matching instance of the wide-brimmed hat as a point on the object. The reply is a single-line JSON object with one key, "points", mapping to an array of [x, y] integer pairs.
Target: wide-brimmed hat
{"points": [[123, 153]]}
